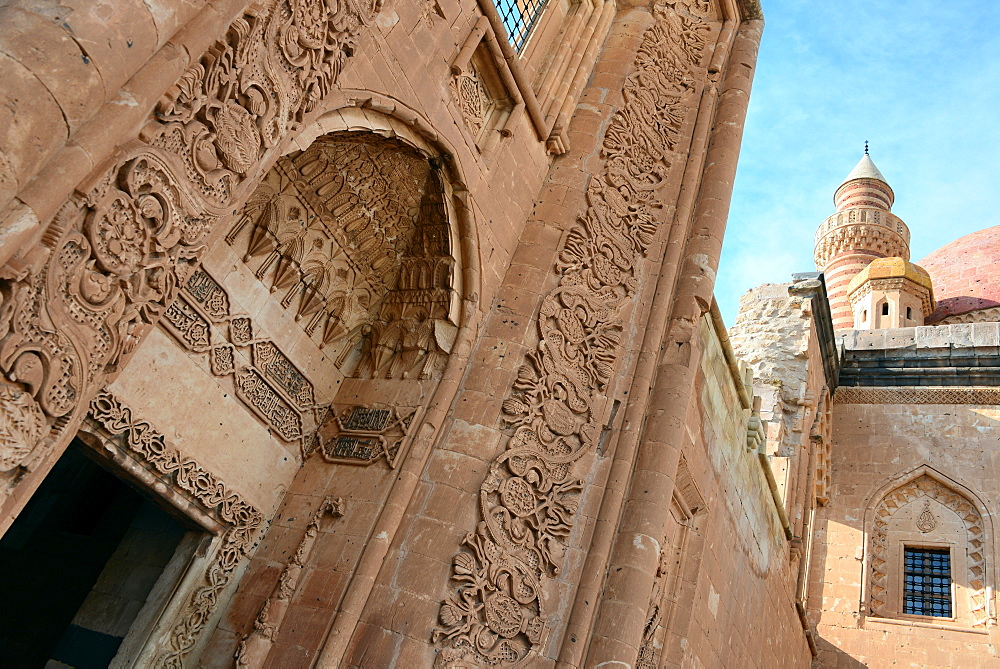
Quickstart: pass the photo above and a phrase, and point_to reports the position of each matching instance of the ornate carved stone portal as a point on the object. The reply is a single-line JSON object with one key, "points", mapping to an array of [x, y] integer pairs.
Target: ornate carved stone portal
{"points": [[73, 307], [353, 235], [116, 423]]}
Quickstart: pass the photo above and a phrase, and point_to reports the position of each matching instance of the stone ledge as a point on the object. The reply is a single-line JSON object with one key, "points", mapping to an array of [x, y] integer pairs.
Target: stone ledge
{"points": [[957, 335]]}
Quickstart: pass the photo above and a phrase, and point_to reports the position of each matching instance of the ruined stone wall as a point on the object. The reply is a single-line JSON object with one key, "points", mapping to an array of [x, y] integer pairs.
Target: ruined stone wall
{"points": [[777, 335]]}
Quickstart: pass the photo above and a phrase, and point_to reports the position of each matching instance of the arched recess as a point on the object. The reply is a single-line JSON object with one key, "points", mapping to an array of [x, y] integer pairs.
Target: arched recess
{"points": [[923, 508], [361, 231], [76, 305], [364, 235]]}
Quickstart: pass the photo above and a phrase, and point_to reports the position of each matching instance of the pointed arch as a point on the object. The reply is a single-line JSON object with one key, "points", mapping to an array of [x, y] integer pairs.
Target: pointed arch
{"points": [[388, 294], [890, 526]]}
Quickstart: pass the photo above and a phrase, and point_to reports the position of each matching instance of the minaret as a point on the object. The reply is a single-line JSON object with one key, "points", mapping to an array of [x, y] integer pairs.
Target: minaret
{"points": [[863, 229]]}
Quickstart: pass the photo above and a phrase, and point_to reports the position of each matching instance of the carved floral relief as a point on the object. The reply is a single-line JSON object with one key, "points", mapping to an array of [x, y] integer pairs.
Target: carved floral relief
{"points": [[496, 616], [112, 260]]}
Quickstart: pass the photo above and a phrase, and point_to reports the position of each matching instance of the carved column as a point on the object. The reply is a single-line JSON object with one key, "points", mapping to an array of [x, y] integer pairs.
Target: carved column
{"points": [[498, 612], [617, 634]]}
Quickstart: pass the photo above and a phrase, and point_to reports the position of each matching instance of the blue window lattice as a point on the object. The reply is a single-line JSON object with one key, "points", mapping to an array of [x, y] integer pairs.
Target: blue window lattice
{"points": [[519, 17]]}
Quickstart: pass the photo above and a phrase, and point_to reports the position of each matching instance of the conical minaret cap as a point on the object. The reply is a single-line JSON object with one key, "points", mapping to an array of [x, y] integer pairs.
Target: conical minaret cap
{"points": [[864, 187], [865, 169]]}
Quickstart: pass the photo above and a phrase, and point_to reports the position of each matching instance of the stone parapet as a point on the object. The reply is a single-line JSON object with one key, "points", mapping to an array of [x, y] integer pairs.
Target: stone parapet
{"points": [[964, 355]]}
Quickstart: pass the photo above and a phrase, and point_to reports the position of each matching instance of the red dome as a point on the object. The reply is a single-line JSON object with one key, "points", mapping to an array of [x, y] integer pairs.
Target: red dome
{"points": [[965, 274]]}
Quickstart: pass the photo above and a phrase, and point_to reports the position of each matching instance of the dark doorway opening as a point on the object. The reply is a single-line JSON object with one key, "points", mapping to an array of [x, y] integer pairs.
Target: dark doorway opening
{"points": [[79, 565]]}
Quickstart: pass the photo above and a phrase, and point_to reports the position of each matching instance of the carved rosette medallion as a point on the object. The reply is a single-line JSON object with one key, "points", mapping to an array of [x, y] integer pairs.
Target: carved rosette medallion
{"points": [[529, 498]]}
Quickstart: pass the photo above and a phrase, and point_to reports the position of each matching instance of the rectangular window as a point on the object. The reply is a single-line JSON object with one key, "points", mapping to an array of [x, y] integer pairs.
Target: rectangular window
{"points": [[927, 582], [519, 17]]}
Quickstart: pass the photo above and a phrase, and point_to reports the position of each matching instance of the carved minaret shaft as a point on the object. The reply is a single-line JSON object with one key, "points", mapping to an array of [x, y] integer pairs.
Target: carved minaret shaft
{"points": [[863, 229]]}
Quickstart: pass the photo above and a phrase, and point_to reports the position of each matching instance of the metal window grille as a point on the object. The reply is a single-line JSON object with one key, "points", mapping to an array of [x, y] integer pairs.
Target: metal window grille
{"points": [[519, 17], [927, 582]]}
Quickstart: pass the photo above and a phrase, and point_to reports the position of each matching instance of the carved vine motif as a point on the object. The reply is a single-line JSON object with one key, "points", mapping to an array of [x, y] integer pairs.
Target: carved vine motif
{"points": [[528, 499], [353, 235], [254, 647], [273, 388], [21, 424], [112, 259], [242, 520], [473, 98], [930, 488]]}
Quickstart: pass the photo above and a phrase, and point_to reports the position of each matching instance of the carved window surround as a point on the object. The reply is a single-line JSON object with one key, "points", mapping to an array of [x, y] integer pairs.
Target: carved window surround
{"points": [[559, 58], [485, 89], [922, 510]]}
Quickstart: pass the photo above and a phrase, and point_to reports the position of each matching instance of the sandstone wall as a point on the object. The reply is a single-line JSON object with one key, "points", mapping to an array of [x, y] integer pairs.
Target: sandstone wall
{"points": [[874, 443], [743, 600], [491, 516], [913, 465]]}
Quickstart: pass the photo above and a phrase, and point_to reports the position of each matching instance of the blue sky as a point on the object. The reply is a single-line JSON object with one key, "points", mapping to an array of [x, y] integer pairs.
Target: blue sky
{"points": [[920, 80]]}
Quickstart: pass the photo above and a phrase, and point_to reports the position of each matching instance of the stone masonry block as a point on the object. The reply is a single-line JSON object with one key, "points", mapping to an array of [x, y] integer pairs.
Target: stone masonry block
{"points": [[900, 338], [985, 334], [871, 339], [932, 337], [960, 335]]}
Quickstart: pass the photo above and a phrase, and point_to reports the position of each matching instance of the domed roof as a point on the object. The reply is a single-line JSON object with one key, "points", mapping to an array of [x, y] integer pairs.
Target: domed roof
{"points": [[965, 274], [891, 268]]}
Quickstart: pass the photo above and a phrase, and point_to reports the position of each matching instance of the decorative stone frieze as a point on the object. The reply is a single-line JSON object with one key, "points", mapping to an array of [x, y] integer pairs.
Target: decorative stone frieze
{"points": [[528, 500], [862, 395], [140, 440], [273, 388]]}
